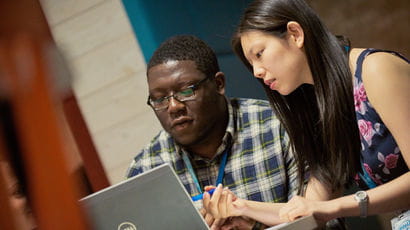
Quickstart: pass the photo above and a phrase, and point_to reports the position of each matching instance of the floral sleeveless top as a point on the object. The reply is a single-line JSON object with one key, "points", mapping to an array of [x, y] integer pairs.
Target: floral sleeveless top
{"points": [[381, 158]]}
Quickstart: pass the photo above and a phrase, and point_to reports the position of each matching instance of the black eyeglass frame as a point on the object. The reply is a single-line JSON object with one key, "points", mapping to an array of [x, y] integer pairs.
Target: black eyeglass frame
{"points": [[193, 87]]}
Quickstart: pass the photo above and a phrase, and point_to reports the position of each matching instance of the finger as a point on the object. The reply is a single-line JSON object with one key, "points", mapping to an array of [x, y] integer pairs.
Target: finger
{"points": [[214, 202], [295, 213], [222, 204], [217, 193], [293, 217], [234, 197], [209, 187], [229, 205], [202, 211], [283, 214], [209, 219], [292, 204], [206, 198]]}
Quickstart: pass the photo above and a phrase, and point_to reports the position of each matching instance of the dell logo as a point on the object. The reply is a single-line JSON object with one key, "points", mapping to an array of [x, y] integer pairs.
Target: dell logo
{"points": [[127, 226]]}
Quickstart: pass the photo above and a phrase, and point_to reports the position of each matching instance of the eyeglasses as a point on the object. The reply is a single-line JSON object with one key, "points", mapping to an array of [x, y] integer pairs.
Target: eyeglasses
{"points": [[186, 94]]}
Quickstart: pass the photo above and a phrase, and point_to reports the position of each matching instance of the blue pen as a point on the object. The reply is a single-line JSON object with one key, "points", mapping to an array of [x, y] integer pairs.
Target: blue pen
{"points": [[200, 196]]}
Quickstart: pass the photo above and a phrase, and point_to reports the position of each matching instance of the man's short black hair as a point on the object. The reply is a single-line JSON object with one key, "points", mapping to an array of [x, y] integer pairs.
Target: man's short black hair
{"points": [[186, 48]]}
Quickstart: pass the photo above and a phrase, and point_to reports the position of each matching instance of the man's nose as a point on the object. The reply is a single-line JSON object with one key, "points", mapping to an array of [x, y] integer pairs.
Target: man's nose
{"points": [[175, 105]]}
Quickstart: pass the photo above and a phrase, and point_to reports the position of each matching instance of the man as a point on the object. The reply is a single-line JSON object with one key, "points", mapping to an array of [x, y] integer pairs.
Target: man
{"points": [[208, 138]]}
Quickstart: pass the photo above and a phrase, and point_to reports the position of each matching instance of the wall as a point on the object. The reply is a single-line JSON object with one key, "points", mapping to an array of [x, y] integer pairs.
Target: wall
{"points": [[213, 21], [368, 23], [109, 77]]}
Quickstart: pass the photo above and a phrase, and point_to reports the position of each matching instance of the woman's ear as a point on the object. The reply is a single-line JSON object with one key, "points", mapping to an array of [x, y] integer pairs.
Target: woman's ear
{"points": [[295, 33], [220, 82]]}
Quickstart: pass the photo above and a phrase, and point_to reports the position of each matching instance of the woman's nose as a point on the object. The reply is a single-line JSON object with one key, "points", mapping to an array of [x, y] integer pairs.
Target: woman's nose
{"points": [[258, 72]]}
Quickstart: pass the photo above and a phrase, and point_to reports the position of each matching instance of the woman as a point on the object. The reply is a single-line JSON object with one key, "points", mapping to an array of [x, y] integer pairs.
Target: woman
{"points": [[342, 125]]}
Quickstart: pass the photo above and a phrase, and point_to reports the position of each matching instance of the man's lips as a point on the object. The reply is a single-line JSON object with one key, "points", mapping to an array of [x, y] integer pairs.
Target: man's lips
{"points": [[180, 121]]}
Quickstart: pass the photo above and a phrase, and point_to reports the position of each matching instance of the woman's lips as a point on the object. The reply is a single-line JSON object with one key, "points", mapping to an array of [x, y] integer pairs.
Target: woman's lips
{"points": [[271, 83]]}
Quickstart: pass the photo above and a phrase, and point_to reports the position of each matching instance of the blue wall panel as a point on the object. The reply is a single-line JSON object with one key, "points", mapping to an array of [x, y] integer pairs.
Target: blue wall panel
{"points": [[213, 21]]}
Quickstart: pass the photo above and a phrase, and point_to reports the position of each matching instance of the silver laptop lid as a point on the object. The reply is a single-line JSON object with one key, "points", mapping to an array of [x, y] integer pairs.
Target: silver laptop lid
{"points": [[303, 223], [152, 200]]}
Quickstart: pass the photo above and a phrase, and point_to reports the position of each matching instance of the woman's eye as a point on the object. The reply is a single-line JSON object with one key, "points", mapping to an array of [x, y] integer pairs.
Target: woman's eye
{"points": [[259, 54]]}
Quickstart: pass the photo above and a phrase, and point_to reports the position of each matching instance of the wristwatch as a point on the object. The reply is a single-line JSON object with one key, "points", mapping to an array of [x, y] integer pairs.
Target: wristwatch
{"points": [[363, 200]]}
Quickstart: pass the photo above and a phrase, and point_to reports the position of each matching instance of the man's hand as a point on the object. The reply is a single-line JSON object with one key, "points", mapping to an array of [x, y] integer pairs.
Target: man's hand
{"points": [[238, 223], [214, 224]]}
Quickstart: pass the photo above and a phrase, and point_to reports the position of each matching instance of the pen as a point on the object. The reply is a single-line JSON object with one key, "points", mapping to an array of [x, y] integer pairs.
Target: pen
{"points": [[200, 196]]}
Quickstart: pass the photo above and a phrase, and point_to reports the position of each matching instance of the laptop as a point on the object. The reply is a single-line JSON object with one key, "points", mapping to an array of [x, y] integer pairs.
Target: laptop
{"points": [[153, 200], [303, 223]]}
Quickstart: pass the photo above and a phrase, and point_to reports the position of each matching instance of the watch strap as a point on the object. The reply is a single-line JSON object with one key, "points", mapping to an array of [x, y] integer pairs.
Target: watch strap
{"points": [[363, 209], [363, 200]]}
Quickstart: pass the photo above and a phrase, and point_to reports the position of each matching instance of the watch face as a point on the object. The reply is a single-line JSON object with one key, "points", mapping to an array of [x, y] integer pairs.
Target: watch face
{"points": [[361, 195]]}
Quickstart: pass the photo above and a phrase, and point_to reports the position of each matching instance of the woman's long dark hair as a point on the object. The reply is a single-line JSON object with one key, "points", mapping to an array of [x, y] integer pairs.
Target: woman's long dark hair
{"points": [[320, 118]]}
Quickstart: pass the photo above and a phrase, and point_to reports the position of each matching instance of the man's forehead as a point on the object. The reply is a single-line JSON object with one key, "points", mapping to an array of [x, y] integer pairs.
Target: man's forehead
{"points": [[171, 64], [173, 67], [173, 74]]}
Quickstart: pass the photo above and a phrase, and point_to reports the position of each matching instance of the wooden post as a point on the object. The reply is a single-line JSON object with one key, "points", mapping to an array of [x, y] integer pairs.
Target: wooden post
{"points": [[30, 87]]}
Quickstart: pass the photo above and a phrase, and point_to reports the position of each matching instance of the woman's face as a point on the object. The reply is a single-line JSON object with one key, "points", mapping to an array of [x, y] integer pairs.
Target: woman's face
{"points": [[280, 62]]}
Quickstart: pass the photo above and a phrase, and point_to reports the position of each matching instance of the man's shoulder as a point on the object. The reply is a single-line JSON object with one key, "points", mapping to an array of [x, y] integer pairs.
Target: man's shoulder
{"points": [[159, 151], [161, 143], [253, 109], [250, 103]]}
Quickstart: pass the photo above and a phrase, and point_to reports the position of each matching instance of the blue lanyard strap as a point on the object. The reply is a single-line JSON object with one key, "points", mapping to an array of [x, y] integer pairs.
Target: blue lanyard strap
{"points": [[221, 171], [191, 171], [366, 178]]}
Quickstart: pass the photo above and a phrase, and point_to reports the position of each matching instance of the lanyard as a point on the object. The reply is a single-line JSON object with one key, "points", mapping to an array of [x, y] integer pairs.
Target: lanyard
{"points": [[366, 178], [221, 171]]}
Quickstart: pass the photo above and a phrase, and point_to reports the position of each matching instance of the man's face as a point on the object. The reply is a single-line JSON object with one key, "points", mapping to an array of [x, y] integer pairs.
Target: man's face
{"points": [[190, 122]]}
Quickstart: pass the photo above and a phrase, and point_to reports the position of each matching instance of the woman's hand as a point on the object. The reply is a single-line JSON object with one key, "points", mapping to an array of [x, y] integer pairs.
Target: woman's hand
{"points": [[299, 206], [223, 203]]}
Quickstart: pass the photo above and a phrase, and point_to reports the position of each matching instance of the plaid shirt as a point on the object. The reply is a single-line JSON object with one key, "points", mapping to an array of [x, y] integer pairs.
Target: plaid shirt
{"points": [[260, 166]]}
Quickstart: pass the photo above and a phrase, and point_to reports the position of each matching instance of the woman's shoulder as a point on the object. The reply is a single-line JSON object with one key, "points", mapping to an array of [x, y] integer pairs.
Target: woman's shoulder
{"points": [[385, 76], [378, 65], [377, 61], [353, 56]]}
